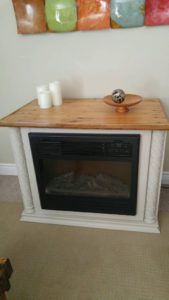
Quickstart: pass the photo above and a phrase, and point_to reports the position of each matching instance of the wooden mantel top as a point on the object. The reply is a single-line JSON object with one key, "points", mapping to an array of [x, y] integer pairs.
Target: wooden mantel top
{"points": [[89, 114]]}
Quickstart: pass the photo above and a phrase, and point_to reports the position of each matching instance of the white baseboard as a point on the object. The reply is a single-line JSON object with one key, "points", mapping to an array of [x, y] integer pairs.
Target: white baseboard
{"points": [[10, 169]]}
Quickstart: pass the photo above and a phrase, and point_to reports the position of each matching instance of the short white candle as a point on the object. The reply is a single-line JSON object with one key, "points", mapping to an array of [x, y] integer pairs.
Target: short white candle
{"points": [[55, 89], [41, 88], [45, 99]]}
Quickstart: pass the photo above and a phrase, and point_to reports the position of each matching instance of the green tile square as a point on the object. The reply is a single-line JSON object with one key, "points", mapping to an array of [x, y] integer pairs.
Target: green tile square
{"points": [[61, 15]]}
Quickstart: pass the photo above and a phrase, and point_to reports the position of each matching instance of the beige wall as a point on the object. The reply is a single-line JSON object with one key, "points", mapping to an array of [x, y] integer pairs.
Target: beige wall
{"points": [[89, 64]]}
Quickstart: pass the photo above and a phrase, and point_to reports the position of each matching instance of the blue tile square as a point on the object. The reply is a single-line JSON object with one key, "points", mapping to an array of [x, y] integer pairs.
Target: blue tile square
{"points": [[127, 13]]}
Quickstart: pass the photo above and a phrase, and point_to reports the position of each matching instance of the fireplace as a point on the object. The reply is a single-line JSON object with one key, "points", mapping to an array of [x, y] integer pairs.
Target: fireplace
{"points": [[86, 172], [83, 164]]}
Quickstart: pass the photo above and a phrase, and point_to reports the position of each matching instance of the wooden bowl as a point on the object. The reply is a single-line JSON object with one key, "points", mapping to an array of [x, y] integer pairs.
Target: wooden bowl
{"points": [[123, 107]]}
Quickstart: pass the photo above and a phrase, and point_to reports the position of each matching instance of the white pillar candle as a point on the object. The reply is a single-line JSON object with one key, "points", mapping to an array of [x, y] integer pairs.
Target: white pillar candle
{"points": [[45, 99], [55, 89], [41, 88]]}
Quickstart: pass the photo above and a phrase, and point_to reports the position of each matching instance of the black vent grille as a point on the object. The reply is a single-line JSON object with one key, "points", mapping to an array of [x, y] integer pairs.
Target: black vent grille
{"points": [[48, 148], [84, 149]]}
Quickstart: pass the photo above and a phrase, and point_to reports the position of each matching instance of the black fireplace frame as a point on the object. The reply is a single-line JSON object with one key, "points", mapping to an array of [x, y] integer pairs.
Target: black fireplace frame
{"points": [[108, 147]]}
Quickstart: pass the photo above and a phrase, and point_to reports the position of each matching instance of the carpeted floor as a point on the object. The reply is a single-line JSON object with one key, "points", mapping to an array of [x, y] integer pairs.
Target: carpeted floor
{"points": [[54, 262]]}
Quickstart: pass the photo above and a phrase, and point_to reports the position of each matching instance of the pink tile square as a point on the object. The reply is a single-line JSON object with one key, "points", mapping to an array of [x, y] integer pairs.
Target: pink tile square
{"points": [[156, 12]]}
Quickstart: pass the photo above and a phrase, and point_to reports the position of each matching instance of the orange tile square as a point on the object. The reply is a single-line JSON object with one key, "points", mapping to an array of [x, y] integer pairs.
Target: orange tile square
{"points": [[93, 14]]}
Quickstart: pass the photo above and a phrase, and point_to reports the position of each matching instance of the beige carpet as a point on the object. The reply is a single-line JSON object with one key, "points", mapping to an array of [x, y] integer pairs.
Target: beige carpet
{"points": [[69, 263]]}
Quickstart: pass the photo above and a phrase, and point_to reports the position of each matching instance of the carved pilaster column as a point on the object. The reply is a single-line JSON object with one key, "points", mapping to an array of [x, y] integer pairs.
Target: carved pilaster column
{"points": [[154, 175], [20, 160]]}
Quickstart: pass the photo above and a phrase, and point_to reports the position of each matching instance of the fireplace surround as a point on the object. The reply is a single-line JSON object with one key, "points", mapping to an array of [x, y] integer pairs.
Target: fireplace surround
{"points": [[124, 149], [147, 192]]}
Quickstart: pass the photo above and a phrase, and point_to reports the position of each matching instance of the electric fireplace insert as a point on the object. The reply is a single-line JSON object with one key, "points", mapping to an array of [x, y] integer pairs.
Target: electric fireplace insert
{"points": [[87, 172]]}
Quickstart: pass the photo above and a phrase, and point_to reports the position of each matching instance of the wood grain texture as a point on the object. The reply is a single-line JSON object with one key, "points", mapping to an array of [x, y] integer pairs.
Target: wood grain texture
{"points": [[123, 107], [89, 114]]}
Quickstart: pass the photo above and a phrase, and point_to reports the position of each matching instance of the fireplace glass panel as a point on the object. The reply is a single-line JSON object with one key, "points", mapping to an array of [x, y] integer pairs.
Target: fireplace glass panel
{"points": [[87, 178], [86, 172]]}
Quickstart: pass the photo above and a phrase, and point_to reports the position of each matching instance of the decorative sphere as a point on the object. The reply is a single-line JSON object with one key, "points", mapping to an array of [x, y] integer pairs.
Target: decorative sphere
{"points": [[118, 96]]}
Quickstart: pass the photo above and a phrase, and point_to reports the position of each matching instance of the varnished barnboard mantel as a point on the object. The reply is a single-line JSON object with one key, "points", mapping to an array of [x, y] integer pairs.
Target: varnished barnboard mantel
{"points": [[89, 114]]}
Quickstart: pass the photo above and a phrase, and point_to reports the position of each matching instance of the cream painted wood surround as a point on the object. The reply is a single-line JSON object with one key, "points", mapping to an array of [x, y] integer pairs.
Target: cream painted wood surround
{"points": [[152, 146]]}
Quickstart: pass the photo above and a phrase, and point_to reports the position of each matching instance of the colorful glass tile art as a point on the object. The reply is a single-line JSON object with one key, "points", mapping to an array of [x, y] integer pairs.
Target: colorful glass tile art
{"points": [[157, 12], [127, 13], [61, 15], [30, 16], [93, 14]]}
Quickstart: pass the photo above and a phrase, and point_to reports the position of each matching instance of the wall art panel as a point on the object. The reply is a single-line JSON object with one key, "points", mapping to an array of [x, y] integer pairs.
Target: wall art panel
{"points": [[30, 16], [157, 12], [38, 16], [61, 15], [93, 14], [127, 13]]}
